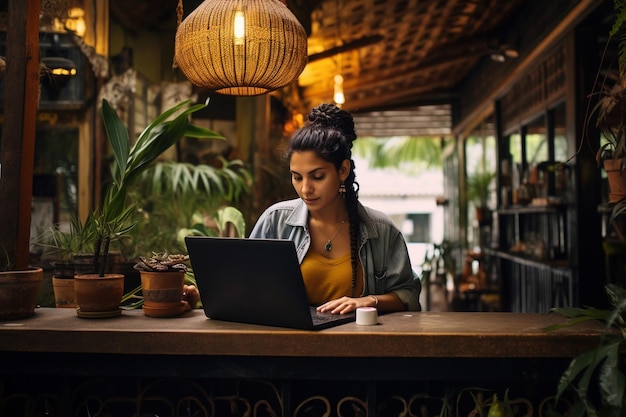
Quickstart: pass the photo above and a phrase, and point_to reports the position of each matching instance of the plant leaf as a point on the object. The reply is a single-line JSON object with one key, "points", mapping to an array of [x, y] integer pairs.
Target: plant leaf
{"points": [[197, 132], [231, 215], [118, 138], [611, 379]]}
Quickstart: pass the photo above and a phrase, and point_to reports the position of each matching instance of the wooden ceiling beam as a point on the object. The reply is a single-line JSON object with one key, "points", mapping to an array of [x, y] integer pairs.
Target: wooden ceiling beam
{"points": [[398, 78], [346, 47], [367, 100], [398, 98]]}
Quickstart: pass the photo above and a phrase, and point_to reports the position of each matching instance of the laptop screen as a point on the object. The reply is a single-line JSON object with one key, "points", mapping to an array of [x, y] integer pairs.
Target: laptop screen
{"points": [[252, 281]]}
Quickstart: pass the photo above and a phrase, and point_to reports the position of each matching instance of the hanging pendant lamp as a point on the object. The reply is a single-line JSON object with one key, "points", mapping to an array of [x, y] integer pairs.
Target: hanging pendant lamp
{"points": [[241, 47]]}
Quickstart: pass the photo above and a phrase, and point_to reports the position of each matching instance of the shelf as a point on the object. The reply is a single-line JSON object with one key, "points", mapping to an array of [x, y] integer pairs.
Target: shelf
{"points": [[531, 209], [531, 285], [524, 260]]}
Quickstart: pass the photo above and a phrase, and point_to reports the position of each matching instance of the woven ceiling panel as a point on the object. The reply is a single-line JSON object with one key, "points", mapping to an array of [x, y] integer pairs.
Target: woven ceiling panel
{"points": [[396, 53], [424, 48]]}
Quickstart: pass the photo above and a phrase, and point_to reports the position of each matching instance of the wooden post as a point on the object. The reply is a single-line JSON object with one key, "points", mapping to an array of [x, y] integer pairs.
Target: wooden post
{"points": [[21, 87], [253, 143]]}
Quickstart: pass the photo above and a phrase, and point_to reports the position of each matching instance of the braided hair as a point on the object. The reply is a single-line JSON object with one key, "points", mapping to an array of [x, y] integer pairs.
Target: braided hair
{"points": [[329, 132]]}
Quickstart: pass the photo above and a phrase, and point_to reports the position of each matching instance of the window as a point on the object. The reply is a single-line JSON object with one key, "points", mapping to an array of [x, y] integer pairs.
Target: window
{"points": [[416, 227]]}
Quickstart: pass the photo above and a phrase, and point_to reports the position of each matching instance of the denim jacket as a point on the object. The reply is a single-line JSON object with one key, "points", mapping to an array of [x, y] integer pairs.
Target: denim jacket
{"points": [[382, 249]]}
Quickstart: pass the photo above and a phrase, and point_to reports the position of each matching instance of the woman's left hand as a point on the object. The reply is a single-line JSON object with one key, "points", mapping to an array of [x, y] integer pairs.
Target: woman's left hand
{"points": [[345, 305]]}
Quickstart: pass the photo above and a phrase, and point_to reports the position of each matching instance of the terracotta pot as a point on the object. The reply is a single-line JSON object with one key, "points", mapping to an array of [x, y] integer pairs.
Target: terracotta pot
{"points": [[64, 292], [616, 178], [99, 296], [62, 269], [18, 293], [162, 293]]}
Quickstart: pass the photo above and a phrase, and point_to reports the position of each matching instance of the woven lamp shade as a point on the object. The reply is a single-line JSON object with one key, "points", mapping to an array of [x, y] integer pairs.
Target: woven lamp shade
{"points": [[271, 53]]}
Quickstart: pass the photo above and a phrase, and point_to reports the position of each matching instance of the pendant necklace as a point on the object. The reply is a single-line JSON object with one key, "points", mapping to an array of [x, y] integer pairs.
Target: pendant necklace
{"points": [[329, 245]]}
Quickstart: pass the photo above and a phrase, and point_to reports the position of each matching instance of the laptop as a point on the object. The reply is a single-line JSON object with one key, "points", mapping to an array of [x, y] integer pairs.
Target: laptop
{"points": [[254, 281]]}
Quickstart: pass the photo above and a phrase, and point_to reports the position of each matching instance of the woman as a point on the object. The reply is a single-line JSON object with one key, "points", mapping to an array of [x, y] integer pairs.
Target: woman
{"points": [[351, 256]]}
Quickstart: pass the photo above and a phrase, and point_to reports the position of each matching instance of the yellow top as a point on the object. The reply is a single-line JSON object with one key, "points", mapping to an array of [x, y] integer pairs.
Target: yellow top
{"points": [[327, 279]]}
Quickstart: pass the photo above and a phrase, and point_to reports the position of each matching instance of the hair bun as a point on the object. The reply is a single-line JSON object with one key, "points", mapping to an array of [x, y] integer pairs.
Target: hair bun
{"points": [[330, 116], [323, 115]]}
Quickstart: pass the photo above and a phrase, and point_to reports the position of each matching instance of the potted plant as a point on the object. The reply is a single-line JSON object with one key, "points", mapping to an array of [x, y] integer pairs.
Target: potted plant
{"points": [[18, 289], [612, 154], [99, 294], [227, 221], [597, 377], [610, 112], [65, 246], [163, 284], [478, 191]]}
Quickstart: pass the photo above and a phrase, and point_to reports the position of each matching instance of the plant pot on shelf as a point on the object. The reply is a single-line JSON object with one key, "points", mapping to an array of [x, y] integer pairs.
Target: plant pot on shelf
{"points": [[162, 293], [62, 269], [99, 296], [18, 293], [63, 284], [616, 178], [64, 292]]}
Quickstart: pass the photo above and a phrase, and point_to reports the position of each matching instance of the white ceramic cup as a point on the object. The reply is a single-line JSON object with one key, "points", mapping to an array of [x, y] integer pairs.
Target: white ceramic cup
{"points": [[366, 316]]}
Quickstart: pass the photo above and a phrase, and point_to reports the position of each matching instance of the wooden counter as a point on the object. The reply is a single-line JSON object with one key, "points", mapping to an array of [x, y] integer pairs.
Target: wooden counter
{"points": [[424, 334], [494, 349]]}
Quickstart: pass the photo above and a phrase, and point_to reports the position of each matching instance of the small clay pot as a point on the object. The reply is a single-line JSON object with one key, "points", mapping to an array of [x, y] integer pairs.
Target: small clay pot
{"points": [[162, 293], [99, 296]]}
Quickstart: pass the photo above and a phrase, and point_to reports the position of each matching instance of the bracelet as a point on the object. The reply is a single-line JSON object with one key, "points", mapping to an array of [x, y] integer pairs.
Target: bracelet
{"points": [[375, 300]]}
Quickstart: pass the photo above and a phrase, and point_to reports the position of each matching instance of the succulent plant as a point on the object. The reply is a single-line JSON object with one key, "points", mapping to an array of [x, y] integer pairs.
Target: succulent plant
{"points": [[162, 262]]}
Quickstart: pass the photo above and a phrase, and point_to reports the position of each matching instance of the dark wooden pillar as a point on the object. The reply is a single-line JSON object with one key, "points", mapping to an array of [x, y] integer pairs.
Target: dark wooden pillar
{"points": [[18, 133]]}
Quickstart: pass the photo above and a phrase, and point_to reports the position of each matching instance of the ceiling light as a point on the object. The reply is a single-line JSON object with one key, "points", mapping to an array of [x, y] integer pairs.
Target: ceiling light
{"points": [[339, 97], [56, 73], [498, 57], [76, 21], [241, 47], [59, 66], [511, 53]]}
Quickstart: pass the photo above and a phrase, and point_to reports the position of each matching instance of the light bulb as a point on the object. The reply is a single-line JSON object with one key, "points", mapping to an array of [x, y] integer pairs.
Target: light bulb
{"points": [[76, 21], [339, 96], [63, 71], [240, 28]]}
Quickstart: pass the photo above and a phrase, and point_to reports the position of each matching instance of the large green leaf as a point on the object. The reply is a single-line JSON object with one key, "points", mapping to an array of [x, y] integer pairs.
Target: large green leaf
{"points": [[231, 215], [118, 138], [611, 379], [198, 132]]}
